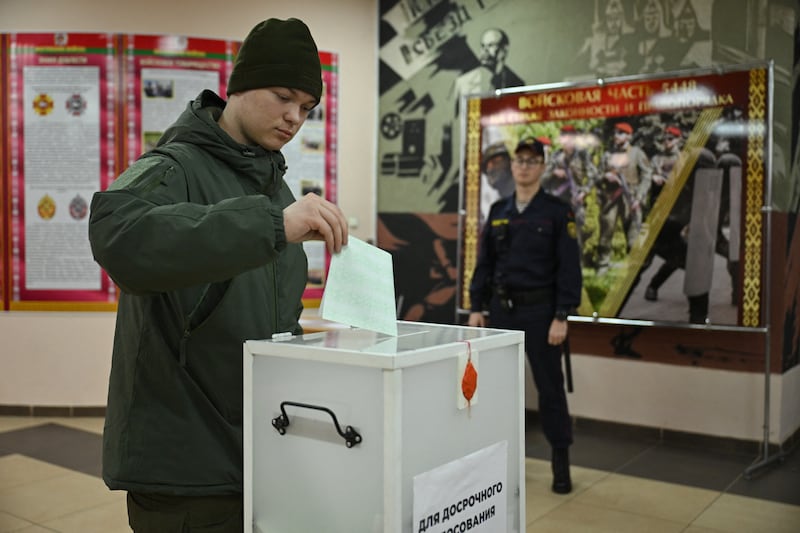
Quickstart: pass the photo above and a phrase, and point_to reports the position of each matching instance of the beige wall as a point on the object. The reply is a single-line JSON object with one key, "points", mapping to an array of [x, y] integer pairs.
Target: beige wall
{"points": [[64, 358], [347, 27]]}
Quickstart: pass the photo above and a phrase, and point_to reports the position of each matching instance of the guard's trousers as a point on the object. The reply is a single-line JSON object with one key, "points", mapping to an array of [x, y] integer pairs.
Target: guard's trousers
{"points": [[545, 362]]}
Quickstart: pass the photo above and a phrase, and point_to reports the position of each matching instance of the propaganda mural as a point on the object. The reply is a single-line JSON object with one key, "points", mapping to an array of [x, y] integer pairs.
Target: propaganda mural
{"points": [[435, 53]]}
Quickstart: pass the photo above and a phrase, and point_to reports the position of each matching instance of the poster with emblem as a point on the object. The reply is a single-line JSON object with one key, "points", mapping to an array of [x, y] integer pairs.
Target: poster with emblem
{"points": [[666, 176], [4, 208], [80, 108], [162, 74], [61, 146], [312, 160]]}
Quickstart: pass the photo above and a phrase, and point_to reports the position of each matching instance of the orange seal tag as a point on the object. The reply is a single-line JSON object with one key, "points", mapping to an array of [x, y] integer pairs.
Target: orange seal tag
{"points": [[469, 381]]}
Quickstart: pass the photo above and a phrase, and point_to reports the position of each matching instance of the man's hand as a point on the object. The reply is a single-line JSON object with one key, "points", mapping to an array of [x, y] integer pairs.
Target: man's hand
{"points": [[312, 218], [557, 333], [476, 320]]}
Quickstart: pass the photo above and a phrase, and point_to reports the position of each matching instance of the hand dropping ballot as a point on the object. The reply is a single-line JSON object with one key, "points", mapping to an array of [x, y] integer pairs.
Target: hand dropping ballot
{"points": [[359, 290]]}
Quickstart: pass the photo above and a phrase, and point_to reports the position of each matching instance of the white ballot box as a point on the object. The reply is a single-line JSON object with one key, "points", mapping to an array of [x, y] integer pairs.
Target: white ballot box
{"points": [[353, 431]]}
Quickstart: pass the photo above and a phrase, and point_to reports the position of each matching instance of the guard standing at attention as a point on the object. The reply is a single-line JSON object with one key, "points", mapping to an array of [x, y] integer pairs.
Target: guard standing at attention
{"points": [[528, 276]]}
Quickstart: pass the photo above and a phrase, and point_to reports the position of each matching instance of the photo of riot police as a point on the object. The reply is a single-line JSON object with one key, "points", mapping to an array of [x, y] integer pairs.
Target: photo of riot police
{"points": [[496, 179], [674, 260], [571, 174], [691, 271]]}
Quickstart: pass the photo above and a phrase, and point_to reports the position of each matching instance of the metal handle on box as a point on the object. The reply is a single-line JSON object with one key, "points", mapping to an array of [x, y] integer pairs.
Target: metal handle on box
{"points": [[351, 436]]}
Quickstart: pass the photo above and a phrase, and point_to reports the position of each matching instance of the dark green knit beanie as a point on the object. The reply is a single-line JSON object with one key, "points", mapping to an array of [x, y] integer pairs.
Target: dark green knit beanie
{"points": [[278, 53]]}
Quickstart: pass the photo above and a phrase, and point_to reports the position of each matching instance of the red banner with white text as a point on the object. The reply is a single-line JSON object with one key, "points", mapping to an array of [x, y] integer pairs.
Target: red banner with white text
{"points": [[666, 176]]}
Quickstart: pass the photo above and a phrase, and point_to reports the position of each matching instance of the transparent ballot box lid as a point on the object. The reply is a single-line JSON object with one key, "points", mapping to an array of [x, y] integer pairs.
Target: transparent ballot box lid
{"points": [[415, 343]]}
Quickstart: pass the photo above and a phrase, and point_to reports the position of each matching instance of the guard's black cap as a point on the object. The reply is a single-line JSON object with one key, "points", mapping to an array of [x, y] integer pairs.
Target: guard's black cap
{"points": [[534, 145]]}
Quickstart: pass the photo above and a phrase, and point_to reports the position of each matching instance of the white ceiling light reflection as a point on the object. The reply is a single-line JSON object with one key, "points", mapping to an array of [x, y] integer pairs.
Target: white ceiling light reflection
{"points": [[695, 97]]}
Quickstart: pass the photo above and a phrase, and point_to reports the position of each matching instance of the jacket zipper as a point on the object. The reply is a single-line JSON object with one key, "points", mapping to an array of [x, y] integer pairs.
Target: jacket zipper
{"points": [[275, 296], [187, 328], [184, 341]]}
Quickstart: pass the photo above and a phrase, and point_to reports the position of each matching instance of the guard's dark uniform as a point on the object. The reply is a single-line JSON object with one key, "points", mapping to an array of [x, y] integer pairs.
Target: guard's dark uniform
{"points": [[528, 267]]}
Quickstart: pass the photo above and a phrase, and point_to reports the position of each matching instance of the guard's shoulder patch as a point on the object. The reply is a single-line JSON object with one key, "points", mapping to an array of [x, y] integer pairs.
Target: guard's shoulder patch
{"points": [[134, 173], [572, 229]]}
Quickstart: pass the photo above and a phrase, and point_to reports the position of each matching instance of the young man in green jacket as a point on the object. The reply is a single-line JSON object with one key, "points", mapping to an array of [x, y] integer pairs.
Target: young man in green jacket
{"points": [[204, 239]]}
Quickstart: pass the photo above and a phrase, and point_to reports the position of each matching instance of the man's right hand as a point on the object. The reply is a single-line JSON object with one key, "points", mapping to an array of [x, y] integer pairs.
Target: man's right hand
{"points": [[476, 320], [312, 218]]}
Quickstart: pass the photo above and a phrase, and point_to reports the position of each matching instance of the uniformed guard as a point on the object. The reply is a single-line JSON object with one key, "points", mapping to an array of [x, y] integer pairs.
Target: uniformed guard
{"points": [[528, 277]]}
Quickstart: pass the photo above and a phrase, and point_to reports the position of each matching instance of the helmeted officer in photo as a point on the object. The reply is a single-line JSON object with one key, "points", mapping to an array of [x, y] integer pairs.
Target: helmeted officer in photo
{"points": [[528, 276]]}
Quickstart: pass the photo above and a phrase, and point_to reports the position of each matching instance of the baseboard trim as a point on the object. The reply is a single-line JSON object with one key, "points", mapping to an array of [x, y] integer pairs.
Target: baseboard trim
{"points": [[53, 410], [679, 438], [669, 436]]}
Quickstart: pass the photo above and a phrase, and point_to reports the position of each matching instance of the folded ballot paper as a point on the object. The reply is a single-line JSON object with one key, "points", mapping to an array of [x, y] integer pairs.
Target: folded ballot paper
{"points": [[359, 290]]}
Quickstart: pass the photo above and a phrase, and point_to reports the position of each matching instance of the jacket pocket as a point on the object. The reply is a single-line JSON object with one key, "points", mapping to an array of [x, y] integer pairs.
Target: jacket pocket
{"points": [[209, 301]]}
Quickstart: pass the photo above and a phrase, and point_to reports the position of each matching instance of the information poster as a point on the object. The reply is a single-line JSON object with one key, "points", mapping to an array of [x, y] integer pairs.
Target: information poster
{"points": [[162, 74], [312, 164], [5, 206], [79, 108], [61, 147], [666, 178]]}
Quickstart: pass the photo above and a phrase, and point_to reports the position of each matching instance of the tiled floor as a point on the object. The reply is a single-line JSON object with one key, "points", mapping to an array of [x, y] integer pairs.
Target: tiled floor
{"points": [[49, 481]]}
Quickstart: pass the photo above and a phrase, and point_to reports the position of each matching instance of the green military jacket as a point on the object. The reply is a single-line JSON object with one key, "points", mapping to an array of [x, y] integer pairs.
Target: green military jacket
{"points": [[193, 235]]}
